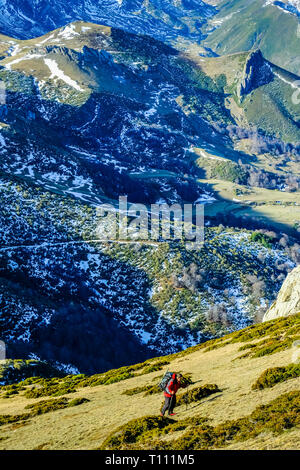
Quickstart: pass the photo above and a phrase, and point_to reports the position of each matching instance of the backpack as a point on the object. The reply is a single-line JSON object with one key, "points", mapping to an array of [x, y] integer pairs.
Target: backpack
{"points": [[165, 380]]}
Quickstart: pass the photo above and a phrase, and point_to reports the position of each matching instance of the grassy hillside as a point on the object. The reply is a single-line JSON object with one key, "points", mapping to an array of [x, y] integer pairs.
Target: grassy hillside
{"points": [[268, 106], [242, 25], [243, 407]]}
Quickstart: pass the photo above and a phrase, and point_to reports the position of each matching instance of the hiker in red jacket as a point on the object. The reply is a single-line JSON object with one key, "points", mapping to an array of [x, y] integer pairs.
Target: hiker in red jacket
{"points": [[170, 394]]}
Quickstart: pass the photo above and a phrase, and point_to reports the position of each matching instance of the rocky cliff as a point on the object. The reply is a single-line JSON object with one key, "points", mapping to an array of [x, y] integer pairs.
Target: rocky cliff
{"points": [[257, 72], [288, 300]]}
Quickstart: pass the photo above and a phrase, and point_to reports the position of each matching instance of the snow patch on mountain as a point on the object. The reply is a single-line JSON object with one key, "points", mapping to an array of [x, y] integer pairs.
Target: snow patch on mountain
{"points": [[59, 74], [21, 59], [68, 32]]}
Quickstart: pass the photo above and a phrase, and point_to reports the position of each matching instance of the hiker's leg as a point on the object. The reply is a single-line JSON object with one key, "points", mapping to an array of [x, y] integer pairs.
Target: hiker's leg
{"points": [[172, 404], [166, 405]]}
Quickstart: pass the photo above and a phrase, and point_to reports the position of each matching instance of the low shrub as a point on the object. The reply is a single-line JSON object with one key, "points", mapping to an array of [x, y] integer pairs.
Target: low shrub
{"points": [[54, 391], [136, 390], [152, 390], [46, 406], [196, 394], [275, 375], [42, 407], [9, 419], [118, 378], [155, 367], [261, 238], [131, 431], [77, 402], [280, 334]]}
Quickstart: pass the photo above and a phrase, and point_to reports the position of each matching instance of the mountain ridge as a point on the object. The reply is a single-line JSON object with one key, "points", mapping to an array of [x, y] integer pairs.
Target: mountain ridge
{"points": [[196, 25]]}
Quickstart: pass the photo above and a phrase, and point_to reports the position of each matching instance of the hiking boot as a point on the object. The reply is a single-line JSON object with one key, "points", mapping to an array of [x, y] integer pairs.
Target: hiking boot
{"points": [[172, 414]]}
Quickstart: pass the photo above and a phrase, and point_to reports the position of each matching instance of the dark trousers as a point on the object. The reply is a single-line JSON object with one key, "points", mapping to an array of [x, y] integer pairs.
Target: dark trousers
{"points": [[169, 404]]}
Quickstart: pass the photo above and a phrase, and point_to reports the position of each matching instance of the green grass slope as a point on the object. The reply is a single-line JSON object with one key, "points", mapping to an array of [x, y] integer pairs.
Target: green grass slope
{"points": [[242, 25], [269, 107]]}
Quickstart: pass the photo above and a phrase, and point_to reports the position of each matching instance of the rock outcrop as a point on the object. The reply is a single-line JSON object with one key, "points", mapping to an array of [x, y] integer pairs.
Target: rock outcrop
{"points": [[257, 72], [288, 300]]}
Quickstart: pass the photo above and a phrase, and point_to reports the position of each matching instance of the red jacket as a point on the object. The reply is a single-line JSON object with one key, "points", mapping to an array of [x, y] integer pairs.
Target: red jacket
{"points": [[172, 386]]}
